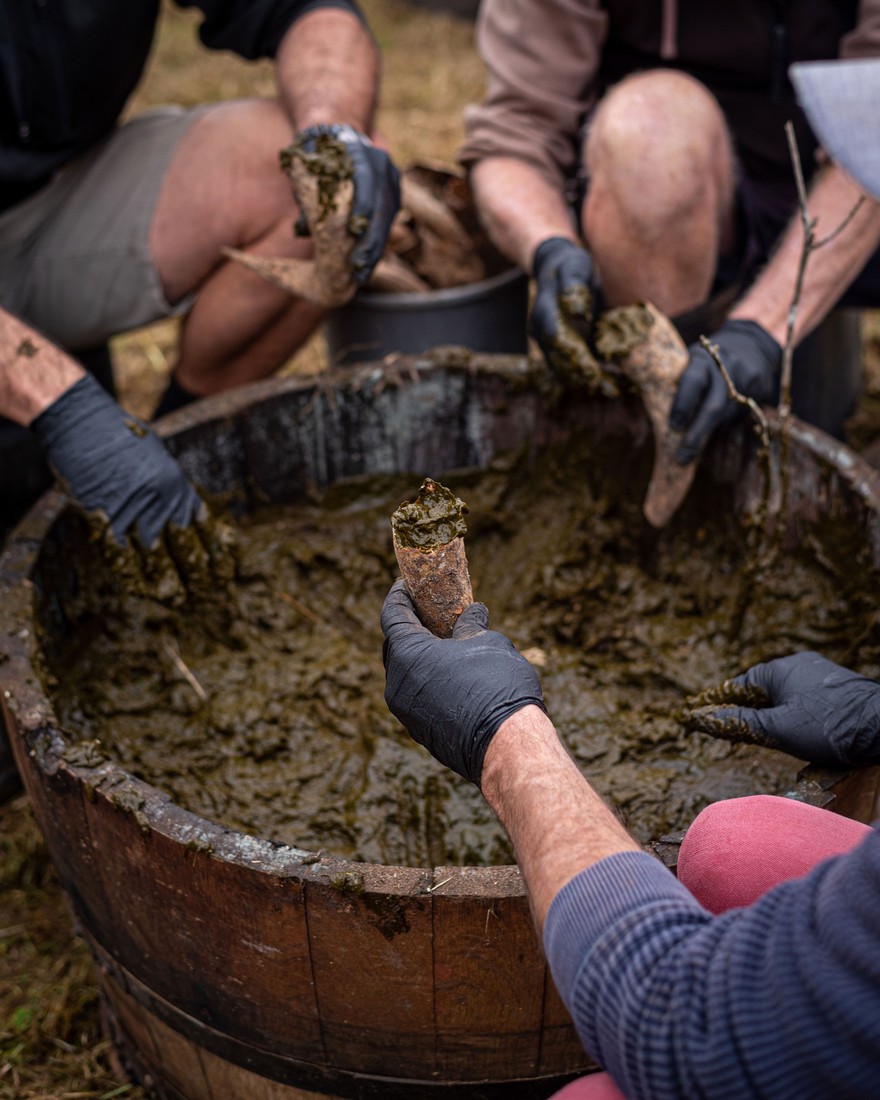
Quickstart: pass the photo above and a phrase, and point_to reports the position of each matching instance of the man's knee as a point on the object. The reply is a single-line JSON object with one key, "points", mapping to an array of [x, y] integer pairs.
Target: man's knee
{"points": [[659, 141], [224, 186], [738, 849], [241, 141]]}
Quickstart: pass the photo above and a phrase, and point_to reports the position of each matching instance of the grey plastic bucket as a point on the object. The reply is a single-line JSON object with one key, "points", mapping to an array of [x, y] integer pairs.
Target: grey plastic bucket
{"points": [[488, 317]]}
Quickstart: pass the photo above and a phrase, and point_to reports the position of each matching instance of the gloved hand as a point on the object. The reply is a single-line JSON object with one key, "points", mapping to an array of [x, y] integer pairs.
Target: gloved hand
{"points": [[753, 360], [114, 464], [563, 310], [452, 694], [376, 192], [818, 710]]}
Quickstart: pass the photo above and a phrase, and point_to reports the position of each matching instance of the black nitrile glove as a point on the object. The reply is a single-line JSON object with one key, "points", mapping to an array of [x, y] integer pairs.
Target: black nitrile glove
{"points": [[565, 282], [376, 192], [818, 710], [113, 464], [752, 358], [452, 694]]}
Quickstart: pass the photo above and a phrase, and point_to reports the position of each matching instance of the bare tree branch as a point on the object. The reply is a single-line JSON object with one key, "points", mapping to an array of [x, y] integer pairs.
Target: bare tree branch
{"points": [[843, 224], [810, 246], [761, 424]]}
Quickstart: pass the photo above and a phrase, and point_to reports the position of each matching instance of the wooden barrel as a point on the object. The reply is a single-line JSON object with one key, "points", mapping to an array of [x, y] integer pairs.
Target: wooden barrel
{"points": [[234, 967]]}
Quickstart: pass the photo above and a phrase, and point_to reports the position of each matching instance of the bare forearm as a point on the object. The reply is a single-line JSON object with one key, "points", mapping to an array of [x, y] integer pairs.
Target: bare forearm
{"points": [[830, 269], [557, 823], [33, 371], [328, 70], [519, 207]]}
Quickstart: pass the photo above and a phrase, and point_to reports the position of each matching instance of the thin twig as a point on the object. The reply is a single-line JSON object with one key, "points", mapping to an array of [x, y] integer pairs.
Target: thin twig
{"points": [[809, 227], [796, 167], [172, 651], [856, 207], [299, 606], [762, 427], [754, 408], [810, 245]]}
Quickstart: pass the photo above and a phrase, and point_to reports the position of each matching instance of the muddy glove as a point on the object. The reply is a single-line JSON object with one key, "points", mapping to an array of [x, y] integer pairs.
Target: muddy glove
{"points": [[376, 194], [112, 463], [452, 694], [753, 360], [817, 711], [563, 311]]}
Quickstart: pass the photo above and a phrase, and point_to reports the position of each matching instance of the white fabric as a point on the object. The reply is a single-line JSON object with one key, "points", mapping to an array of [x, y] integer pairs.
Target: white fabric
{"points": [[842, 102]]}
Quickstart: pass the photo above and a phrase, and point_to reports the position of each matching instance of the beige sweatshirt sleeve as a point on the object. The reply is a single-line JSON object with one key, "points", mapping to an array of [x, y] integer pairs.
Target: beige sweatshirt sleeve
{"points": [[541, 57]]}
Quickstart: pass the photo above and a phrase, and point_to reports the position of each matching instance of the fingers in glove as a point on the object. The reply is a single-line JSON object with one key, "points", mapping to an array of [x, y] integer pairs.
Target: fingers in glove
{"points": [[691, 389], [712, 411], [545, 319], [190, 557], [790, 678], [577, 302], [564, 277], [221, 546], [741, 725], [740, 691], [399, 616], [474, 620], [169, 500], [563, 342], [376, 202], [145, 571]]}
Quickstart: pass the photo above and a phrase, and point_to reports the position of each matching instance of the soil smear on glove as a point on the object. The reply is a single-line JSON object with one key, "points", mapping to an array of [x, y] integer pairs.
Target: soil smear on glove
{"points": [[277, 725]]}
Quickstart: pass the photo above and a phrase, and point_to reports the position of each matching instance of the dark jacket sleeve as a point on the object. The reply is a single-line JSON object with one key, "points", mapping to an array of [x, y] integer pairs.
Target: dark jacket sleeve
{"points": [[781, 999], [254, 28]]}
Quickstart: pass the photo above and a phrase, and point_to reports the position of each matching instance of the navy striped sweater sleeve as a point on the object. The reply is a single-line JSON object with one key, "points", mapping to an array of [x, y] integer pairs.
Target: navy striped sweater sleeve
{"points": [[778, 1000]]}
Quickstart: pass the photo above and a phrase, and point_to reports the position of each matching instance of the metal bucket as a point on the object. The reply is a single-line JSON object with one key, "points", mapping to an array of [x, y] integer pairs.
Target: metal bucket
{"points": [[231, 966]]}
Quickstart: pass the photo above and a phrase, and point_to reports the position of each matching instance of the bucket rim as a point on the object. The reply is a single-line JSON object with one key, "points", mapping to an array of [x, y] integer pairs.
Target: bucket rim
{"points": [[447, 297]]}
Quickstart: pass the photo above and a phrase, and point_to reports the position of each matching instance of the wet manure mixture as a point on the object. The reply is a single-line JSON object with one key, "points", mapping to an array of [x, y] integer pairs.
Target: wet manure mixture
{"points": [[270, 717]]}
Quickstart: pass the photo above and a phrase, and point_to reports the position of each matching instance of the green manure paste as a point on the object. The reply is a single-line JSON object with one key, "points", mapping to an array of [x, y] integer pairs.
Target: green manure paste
{"points": [[288, 736]]}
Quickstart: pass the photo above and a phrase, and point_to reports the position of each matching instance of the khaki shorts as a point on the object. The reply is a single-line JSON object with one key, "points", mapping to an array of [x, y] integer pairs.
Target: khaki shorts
{"points": [[74, 258]]}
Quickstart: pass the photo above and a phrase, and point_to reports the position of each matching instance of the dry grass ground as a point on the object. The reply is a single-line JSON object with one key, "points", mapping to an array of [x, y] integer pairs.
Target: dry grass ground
{"points": [[51, 1047]]}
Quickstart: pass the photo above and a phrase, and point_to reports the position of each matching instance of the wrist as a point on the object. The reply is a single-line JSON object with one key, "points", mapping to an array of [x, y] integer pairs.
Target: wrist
{"points": [[764, 339], [342, 128], [31, 385], [549, 247], [75, 407], [521, 743]]}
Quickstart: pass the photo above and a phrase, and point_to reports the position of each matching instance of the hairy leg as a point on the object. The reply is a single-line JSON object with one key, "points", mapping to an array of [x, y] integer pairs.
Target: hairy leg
{"points": [[660, 203], [224, 186]]}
